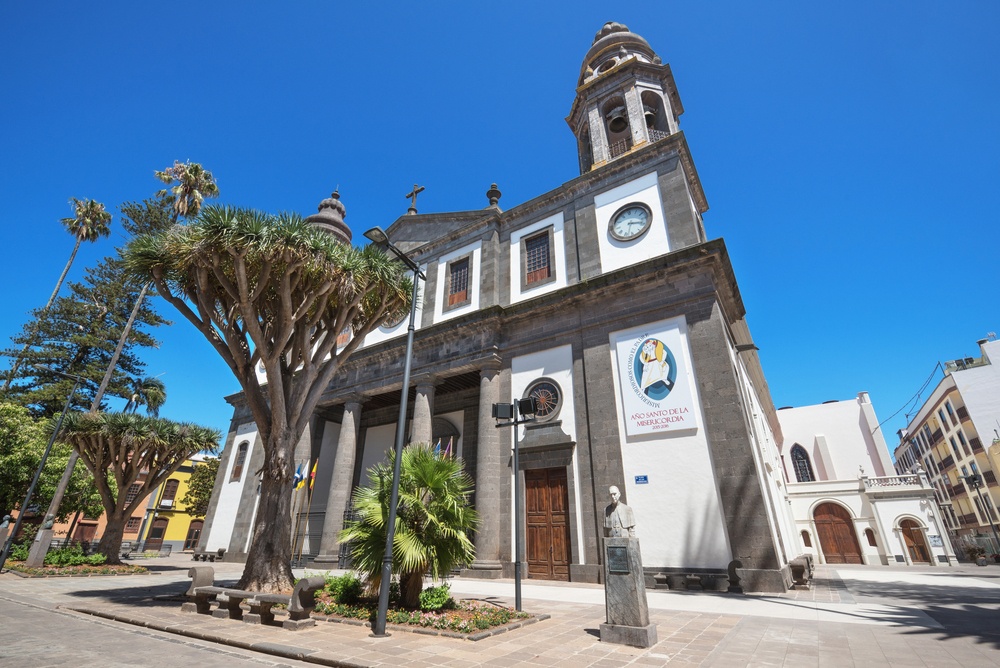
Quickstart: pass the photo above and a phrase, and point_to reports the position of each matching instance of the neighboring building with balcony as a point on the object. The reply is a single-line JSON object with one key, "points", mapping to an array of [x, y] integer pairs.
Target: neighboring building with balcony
{"points": [[166, 522], [948, 438], [849, 505]]}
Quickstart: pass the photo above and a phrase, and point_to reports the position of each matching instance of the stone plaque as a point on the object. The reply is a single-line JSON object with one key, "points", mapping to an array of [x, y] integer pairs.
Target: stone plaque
{"points": [[618, 560]]}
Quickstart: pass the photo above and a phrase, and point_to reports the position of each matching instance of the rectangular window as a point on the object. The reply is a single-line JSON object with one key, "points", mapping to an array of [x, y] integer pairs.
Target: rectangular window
{"points": [[954, 446], [944, 423], [458, 282], [132, 491], [951, 413], [132, 525], [537, 259]]}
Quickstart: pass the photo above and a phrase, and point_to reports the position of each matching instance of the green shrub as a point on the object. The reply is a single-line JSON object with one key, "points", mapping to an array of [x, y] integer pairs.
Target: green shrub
{"points": [[73, 556], [345, 589], [437, 598], [19, 551]]}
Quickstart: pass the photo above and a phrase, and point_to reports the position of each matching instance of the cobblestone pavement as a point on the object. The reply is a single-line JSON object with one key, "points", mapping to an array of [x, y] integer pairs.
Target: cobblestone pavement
{"points": [[853, 616]]}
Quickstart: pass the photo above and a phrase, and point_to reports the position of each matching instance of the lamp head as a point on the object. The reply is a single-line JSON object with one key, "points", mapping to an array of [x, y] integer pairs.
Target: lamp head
{"points": [[377, 235]]}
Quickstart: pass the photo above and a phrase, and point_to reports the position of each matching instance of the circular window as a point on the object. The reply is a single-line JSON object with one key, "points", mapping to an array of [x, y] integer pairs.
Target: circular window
{"points": [[392, 322], [547, 396]]}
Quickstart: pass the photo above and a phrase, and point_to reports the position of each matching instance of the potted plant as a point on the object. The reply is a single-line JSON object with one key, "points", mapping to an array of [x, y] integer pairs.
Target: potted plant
{"points": [[976, 553]]}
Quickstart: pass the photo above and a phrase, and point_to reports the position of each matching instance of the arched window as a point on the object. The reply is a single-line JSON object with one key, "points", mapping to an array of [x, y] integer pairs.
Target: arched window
{"points": [[241, 459], [801, 464], [870, 535], [806, 540]]}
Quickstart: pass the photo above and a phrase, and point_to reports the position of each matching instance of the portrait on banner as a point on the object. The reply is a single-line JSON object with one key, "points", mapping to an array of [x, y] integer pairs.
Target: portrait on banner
{"points": [[654, 376]]}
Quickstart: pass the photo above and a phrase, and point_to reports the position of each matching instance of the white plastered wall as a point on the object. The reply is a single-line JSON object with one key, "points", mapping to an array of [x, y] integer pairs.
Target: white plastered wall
{"points": [[557, 259], [555, 364], [616, 254], [678, 513], [228, 506], [475, 250]]}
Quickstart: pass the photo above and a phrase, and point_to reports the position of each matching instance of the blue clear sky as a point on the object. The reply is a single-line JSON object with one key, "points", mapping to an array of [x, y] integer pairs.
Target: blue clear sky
{"points": [[849, 151]]}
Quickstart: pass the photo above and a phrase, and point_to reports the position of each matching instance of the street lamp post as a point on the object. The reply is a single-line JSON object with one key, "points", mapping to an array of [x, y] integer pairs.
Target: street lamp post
{"points": [[38, 472], [380, 238], [516, 413]]}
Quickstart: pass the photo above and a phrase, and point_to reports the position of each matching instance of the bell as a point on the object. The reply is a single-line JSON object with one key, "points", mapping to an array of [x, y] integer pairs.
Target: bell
{"points": [[617, 121], [649, 113]]}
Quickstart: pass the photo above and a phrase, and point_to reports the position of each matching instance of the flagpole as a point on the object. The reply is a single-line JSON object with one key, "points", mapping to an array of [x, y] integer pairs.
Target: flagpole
{"points": [[298, 519], [309, 493]]}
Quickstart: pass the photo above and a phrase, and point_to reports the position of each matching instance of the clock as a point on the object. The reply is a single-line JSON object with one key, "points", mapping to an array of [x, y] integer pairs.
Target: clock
{"points": [[630, 222]]}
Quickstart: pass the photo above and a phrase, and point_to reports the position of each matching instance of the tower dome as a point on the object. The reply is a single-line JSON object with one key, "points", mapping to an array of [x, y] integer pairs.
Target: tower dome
{"points": [[330, 218], [613, 45]]}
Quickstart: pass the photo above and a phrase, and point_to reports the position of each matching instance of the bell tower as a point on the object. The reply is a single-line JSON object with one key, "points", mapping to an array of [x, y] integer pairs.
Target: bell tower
{"points": [[625, 98]]}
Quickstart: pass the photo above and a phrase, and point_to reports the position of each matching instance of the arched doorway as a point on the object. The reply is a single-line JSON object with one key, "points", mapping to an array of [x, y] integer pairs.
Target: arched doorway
{"points": [[913, 536], [837, 538]]}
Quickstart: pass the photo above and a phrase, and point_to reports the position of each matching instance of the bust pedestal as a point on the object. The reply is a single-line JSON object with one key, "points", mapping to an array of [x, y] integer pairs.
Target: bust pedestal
{"points": [[625, 595]]}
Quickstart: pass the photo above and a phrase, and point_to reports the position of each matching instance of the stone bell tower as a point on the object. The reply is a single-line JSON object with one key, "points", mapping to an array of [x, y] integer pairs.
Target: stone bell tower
{"points": [[625, 98]]}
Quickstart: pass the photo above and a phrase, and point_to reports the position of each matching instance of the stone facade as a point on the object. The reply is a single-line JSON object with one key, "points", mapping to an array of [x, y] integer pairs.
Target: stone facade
{"points": [[702, 495]]}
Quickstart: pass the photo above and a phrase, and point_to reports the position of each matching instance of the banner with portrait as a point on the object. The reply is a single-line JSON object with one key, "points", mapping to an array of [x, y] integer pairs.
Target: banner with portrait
{"points": [[655, 377]]}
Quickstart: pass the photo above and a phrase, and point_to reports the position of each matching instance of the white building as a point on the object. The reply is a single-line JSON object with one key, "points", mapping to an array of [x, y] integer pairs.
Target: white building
{"points": [[849, 504]]}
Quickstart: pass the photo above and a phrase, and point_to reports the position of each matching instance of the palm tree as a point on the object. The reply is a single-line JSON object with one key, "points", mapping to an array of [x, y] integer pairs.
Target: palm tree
{"points": [[433, 520], [191, 183], [194, 185], [149, 392], [90, 223]]}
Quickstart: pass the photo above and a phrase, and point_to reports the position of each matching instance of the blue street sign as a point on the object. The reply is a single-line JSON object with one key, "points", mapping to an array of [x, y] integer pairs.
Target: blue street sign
{"points": [[642, 480]]}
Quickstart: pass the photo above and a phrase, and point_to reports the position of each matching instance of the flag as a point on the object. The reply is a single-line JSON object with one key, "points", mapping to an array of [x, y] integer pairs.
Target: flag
{"points": [[437, 448], [312, 474], [447, 451], [297, 480]]}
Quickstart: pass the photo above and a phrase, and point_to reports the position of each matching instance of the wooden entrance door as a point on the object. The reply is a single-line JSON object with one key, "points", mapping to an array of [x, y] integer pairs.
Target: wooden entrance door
{"points": [[546, 506], [154, 539], [914, 539], [836, 534]]}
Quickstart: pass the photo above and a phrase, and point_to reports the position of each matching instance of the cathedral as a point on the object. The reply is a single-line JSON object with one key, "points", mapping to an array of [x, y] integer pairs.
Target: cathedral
{"points": [[606, 301]]}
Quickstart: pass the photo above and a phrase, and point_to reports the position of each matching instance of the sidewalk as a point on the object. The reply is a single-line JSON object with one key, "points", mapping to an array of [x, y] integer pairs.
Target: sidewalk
{"points": [[825, 626]]}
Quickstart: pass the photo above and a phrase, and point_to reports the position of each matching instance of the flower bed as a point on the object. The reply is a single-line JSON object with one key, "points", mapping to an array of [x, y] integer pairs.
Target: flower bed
{"points": [[71, 571], [466, 617]]}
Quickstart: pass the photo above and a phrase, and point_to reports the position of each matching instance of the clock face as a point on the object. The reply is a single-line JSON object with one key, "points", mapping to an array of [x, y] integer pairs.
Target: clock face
{"points": [[630, 222]]}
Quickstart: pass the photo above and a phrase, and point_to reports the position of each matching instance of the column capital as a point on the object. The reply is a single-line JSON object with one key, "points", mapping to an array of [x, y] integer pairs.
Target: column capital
{"points": [[489, 362], [424, 379], [352, 398]]}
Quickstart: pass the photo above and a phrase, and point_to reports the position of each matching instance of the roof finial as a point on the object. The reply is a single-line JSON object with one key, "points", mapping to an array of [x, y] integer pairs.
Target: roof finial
{"points": [[494, 195]]}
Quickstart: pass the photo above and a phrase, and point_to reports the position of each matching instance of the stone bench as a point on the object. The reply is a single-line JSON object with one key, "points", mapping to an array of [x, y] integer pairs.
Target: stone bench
{"points": [[209, 556], [300, 603]]}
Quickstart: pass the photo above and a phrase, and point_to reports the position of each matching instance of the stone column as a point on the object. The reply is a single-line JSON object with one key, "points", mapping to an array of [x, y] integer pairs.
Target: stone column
{"points": [[598, 137], [491, 473], [422, 429], [342, 483]]}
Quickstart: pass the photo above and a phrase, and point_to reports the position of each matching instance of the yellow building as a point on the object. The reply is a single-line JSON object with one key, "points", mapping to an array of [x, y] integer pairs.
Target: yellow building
{"points": [[166, 522]]}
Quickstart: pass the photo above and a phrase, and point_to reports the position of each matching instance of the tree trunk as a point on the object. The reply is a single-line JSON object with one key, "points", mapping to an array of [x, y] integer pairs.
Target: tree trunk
{"points": [[410, 586], [111, 540], [268, 567]]}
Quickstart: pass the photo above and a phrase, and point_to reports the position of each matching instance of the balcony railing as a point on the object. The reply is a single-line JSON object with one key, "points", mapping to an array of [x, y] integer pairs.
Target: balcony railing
{"points": [[963, 413], [948, 462], [620, 147], [892, 481], [657, 135], [977, 445]]}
